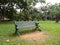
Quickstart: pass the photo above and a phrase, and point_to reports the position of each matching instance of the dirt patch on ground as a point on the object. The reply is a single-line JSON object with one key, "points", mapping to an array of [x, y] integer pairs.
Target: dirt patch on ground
{"points": [[35, 36]]}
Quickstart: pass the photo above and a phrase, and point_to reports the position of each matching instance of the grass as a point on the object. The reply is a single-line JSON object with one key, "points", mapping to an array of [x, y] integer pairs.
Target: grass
{"points": [[53, 30], [7, 29]]}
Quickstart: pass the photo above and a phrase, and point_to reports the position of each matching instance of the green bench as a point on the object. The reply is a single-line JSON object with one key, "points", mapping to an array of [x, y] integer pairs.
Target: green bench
{"points": [[26, 25]]}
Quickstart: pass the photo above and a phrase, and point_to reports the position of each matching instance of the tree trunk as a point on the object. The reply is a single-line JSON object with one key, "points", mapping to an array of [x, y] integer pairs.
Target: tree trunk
{"points": [[0, 18], [57, 18]]}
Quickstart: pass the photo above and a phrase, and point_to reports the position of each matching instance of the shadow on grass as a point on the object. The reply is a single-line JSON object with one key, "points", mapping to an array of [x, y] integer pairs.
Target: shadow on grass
{"points": [[22, 32]]}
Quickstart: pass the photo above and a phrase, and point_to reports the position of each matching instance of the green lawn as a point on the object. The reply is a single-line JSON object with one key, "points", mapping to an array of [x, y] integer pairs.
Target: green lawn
{"points": [[7, 29]]}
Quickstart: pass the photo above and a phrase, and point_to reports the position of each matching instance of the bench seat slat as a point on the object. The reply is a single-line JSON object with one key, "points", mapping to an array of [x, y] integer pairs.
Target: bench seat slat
{"points": [[25, 25]]}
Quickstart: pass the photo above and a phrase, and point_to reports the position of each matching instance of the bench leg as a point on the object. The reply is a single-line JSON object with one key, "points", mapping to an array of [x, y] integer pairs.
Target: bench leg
{"points": [[16, 30], [37, 27]]}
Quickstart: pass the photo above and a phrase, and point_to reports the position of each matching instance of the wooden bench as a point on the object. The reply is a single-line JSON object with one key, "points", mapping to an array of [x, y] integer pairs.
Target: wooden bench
{"points": [[26, 25]]}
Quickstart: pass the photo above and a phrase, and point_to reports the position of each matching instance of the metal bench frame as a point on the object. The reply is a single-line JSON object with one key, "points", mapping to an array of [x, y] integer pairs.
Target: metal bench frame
{"points": [[17, 24]]}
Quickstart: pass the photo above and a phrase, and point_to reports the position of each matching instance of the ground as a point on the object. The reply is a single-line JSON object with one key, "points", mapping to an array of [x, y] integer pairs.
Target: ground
{"points": [[49, 35], [35, 36]]}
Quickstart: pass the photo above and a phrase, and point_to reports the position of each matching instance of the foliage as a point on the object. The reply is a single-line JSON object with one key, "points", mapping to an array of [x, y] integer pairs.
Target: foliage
{"points": [[8, 6]]}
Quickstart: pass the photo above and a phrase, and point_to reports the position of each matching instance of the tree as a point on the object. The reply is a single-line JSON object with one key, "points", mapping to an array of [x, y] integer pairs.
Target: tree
{"points": [[7, 6], [54, 12]]}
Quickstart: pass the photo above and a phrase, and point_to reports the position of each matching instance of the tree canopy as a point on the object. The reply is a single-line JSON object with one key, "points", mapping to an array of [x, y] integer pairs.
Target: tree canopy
{"points": [[7, 7]]}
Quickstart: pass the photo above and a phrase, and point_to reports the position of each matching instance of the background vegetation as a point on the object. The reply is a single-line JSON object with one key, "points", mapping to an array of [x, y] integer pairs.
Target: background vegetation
{"points": [[27, 12]]}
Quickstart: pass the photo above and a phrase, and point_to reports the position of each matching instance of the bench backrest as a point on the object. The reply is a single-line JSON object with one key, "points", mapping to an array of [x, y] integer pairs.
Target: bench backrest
{"points": [[25, 24]]}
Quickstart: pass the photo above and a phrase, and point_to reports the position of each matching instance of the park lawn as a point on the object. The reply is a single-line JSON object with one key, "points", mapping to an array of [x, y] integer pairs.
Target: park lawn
{"points": [[7, 29]]}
